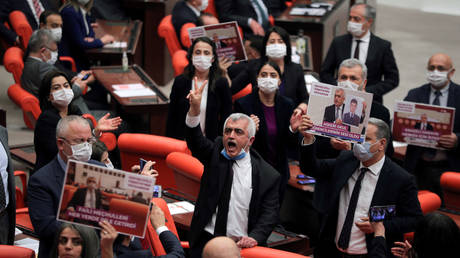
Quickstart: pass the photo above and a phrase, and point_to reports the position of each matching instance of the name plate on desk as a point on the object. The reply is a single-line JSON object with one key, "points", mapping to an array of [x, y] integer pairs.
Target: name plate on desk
{"points": [[132, 90]]}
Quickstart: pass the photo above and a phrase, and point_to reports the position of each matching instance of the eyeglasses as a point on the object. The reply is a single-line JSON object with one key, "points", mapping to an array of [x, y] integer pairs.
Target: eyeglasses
{"points": [[229, 130], [90, 140], [74, 241]]}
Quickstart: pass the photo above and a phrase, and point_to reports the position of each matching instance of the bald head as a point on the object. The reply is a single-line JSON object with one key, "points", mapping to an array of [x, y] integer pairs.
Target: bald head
{"points": [[441, 58], [221, 247]]}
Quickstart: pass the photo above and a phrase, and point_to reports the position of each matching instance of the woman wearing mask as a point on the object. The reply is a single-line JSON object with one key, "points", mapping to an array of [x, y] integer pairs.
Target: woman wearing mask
{"points": [[216, 105], [273, 115], [277, 49], [55, 98], [77, 32]]}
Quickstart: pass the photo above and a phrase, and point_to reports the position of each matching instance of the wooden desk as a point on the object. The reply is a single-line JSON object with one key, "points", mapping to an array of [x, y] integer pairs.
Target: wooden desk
{"points": [[25, 154], [125, 31], [156, 107], [153, 48], [321, 30]]}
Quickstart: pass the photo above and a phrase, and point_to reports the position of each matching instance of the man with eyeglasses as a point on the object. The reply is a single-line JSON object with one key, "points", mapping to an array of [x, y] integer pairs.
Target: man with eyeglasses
{"points": [[239, 191], [73, 139], [429, 164]]}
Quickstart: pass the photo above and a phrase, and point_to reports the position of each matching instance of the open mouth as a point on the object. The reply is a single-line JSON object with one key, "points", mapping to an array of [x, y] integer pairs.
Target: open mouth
{"points": [[231, 144]]}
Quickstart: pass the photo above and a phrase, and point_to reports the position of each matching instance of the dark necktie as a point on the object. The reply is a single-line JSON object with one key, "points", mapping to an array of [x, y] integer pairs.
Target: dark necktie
{"points": [[2, 195], [344, 238], [436, 99], [356, 55], [220, 228]]}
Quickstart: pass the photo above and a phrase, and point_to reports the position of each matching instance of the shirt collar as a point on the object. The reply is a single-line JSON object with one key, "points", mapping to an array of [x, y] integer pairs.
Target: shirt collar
{"points": [[246, 159], [376, 167], [61, 162], [196, 11], [365, 38], [444, 90]]}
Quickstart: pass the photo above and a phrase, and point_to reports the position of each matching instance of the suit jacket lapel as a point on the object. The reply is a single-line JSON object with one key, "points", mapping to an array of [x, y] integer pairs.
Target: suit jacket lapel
{"points": [[383, 182], [371, 49], [344, 174], [347, 47], [255, 189], [5, 145], [451, 97]]}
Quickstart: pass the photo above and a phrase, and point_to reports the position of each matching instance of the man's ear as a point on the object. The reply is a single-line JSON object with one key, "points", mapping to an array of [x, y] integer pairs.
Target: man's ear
{"points": [[384, 143], [364, 84], [251, 140]]}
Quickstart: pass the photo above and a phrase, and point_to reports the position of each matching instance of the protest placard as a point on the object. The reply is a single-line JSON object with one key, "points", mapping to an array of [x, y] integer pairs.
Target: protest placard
{"points": [[92, 193], [339, 112], [421, 124]]}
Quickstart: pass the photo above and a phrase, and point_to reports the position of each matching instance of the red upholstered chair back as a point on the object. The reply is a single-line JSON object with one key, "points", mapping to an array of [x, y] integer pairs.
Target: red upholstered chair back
{"points": [[450, 183], [151, 237], [69, 190], [9, 251], [21, 26], [245, 91], [166, 31], [429, 201], [184, 36], [21, 194], [179, 62], [150, 147], [13, 62], [264, 252], [138, 211], [187, 172], [27, 102]]}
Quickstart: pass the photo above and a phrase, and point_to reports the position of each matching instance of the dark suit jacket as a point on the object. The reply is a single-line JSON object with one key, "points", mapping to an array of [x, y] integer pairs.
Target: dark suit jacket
{"points": [[284, 107], [73, 35], [422, 95], [43, 195], [293, 80], [11, 187], [264, 205], [329, 113], [78, 198], [394, 187], [239, 11], [429, 127], [169, 241], [347, 118], [382, 72], [8, 6], [182, 14], [218, 108]]}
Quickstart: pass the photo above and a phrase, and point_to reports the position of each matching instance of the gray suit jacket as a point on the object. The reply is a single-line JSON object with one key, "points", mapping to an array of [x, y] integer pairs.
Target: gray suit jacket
{"points": [[33, 74], [11, 187]]}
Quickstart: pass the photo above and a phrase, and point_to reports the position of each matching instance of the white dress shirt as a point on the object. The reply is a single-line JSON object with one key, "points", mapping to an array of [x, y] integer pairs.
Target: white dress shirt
{"points": [[90, 199], [363, 47], [444, 95], [357, 244], [4, 173], [32, 8], [204, 103], [83, 13], [240, 198], [339, 111]]}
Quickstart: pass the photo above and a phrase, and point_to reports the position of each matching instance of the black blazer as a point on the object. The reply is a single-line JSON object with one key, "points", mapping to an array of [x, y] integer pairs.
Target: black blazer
{"points": [[239, 11], [422, 95], [78, 198], [293, 79], [428, 126], [329, 113], [8, 6], [218, 108], [284, 107], [182, 14], [11, 210], [169, 241], [395, 186], [382, 71], [264, 205]]}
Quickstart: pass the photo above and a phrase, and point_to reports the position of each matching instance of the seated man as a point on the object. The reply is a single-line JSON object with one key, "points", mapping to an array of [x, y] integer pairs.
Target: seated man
{"points": [[41, 57], [334, 112], [348, 186], [239, 191], [428, 164], [190, 11], [89, 196]]}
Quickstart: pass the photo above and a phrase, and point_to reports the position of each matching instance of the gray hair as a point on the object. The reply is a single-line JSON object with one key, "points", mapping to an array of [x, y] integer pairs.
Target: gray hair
{"points": [[39, 39], [353, 62], [383, 130], [237, 116], [64, 122], [369, 11]]}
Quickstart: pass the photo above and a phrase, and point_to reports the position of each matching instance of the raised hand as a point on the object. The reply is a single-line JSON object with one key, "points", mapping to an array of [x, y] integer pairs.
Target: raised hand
{"points": [[246, 242], [401, 249], [256, 121], [107, 124], [340, 144], [194, 97], [108, 236]]}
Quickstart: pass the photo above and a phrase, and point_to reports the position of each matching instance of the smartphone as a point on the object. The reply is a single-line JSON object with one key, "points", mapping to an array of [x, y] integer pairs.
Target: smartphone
{"points": [[381, 213], [142, 163], [306, 182], [302, 176], [85, 77]]}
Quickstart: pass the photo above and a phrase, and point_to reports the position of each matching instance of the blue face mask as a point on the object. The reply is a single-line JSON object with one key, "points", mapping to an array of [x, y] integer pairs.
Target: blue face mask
{"points": [[363, 151], [241, 155]]}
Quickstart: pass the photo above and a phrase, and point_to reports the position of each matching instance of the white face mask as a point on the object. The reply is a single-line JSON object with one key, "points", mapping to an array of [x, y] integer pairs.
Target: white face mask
{"points": [[81, 152], [437, 78], [204, 5], [202, 63], [267, 85], [62, 97], [349, 85], [57, 33], [356, 29], [276, 50], [83, 2], [53, 58]]}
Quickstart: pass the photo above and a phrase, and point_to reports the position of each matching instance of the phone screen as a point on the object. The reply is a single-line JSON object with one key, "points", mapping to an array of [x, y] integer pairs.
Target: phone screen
{"points": [[306, 182], [381, 213], [142, 163]]}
